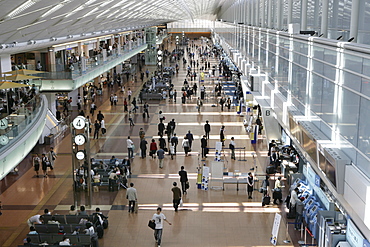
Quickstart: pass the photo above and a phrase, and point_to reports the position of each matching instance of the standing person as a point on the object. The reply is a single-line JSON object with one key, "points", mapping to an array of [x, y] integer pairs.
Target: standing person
{"points": [[162, 143], [99, 116], [36, 164], [173, 126], [228, 103], [203, 145], [129, 93], [160, 154], [277, 195], [44, 163], [111, 99], [143, 148], [176, 192], [112, 180], [125, 105], [133, 105], [115, 99], [147, 73], [190, 137], [199, 104], [131, 195], [153, 148], [130, 119], [141, 133], [92, 108], [250, 183], [52, 156], [174, 95], [299, 212], [293, 201], [96, 129], [232, 148], [130, 148], [102, 126], [222, 135], [158, 219], [222, 102], [265, 185], [207, 128], [160, 128], [146, 110], [202, 92], [185, 145], [183, 179], [174, 141]]}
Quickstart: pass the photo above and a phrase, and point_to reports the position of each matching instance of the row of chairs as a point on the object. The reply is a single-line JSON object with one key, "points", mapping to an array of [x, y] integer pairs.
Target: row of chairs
{"points": [[53, 238], [54, 228], [67, 219]]}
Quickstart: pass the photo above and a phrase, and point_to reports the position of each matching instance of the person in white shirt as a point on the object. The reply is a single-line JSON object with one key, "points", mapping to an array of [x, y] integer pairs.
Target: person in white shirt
{"points": [[158, 219], [36, 219], [130, 148], [102, 126], [131, 195], [65, 242]]}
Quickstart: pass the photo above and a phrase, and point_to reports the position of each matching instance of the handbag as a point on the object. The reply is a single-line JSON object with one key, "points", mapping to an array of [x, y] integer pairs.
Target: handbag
{"points": [[181, 204], [151, 224], [261, 190], [187, 185]]}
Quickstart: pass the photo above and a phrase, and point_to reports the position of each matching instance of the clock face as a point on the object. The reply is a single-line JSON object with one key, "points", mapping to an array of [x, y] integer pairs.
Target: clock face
{"points": [[4, 140], [80, 139], [3, 123], [79, 122], [80, 155]]}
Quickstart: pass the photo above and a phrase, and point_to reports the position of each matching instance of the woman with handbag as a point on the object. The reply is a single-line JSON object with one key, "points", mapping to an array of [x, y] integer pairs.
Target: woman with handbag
{"points": [[44, 164]]}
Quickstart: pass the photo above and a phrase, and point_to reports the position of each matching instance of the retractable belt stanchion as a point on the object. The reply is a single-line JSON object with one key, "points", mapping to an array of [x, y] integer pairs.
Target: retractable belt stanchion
{"points": [[244, 159]]}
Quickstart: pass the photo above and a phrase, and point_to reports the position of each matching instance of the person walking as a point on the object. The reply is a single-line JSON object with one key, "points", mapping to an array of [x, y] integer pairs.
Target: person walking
{"points": [[222, 135], [265, 185], [174, 141], [102, 126], [158, 219], [130, 148], [190, 137], [176, 192], [183, 179], [162, 143], [96, 129], [153, 148], [199, 104], [146, 110], [125, 105], [143, 148], [131, 195], [185, 145], [134, 106], [44, 164], [99, 116], [92, 108], [36, 161], [161, 128], [277, 194], [207, 129], [232, 148], [130, 119], [52, 156], [160, 154], [250, 183], [203, 145]]}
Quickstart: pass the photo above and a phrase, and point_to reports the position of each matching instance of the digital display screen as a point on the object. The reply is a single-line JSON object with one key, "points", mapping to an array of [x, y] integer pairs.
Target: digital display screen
{"points": [[309, 145], [330, 173]]}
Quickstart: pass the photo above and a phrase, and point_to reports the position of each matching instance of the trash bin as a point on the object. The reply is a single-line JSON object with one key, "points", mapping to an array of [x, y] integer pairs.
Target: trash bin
{"points": [[49, 139]]}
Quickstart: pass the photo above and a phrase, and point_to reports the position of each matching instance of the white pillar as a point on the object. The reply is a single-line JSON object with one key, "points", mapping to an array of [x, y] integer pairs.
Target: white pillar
{"points": [[324, 18], [263, 14], [354, 19], [269, 14], [290, 12], [304, 15], [257, 15], [74, 95], [51, 102], [279, 14]]}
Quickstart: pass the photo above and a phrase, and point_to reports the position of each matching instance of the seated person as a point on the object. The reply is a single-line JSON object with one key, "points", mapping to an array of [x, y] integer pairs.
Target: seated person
{"points": [[89, 229], [33, 230], [76, 231], [53, 221], [73, 210], [96, 179], [65, 241], [113, 160], [83, 211]]}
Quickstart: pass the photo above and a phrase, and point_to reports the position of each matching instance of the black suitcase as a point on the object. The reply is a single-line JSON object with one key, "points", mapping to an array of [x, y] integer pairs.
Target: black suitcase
{"points": [[266, 200], [100, 231], [143, 114], [270, 170], [183, 100]]}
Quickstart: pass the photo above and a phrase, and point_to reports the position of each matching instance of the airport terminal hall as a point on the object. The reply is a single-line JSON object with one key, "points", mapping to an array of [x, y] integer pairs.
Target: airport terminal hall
{"points": [[177, 123]]}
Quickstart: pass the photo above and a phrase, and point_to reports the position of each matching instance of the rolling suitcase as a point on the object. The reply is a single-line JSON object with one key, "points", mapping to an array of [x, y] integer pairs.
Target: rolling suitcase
{"points": [[266, 200], [270, 170], [100, 231]]}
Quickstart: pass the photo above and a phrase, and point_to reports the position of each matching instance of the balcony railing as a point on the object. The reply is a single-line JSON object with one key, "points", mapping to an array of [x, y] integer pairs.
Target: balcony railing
{"points": [[74, 70], [15, 124]]}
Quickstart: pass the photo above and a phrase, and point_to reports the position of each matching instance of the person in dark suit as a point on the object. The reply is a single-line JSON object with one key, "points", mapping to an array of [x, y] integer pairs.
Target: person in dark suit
{"points": [[183, 179], [207, 129], [222, 135], [143, 147], [203, 145], [190, 137], [161, 128]]}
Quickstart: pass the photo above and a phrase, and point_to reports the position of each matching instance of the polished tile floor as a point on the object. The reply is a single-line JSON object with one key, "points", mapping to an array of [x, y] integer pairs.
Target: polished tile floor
{"points": [[208, 218]]}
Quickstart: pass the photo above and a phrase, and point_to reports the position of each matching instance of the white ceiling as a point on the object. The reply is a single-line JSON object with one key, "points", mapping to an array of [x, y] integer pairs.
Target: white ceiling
{"points": [[23, 20]]}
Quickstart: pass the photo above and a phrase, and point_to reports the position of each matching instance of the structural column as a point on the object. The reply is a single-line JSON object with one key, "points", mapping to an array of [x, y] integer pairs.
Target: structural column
{"points": [[304, 15], [269, 14], [290, 11], [279, 14], [324, 18], [353, 32], [263, 14]]}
